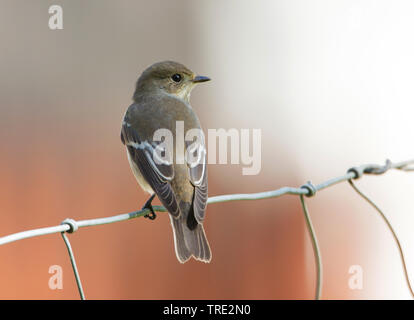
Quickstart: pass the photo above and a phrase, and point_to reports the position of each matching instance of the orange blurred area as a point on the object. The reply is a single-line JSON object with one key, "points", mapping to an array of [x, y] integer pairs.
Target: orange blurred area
{"points": [[136, 259], [327, 83]]}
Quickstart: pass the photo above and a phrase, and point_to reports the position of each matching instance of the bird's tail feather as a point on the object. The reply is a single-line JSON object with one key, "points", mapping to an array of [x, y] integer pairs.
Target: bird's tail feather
{"points": [[190, 242]]}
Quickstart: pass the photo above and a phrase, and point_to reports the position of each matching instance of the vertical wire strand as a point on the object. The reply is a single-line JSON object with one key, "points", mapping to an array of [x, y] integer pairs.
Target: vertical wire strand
{"points": [[316, 250], [394, 234], [75, 268]]}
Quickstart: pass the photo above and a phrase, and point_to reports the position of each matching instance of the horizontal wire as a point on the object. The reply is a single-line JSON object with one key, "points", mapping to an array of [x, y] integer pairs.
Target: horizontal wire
{"points": [[304, 190]]}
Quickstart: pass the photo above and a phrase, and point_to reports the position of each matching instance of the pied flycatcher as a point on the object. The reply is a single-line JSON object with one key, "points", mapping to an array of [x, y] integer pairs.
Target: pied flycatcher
{"points": [[162, 101]]}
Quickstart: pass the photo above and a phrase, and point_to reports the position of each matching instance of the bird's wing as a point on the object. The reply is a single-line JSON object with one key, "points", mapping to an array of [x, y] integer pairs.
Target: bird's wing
{"points": [[198, 176], [155, 164]]}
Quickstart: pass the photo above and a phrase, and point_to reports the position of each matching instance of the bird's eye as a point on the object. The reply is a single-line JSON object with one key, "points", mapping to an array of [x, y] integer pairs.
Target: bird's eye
{"points": [[176, 77]]}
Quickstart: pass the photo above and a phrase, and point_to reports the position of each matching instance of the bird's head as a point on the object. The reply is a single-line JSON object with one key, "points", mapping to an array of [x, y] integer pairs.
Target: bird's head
{"points": [[169, 77]]}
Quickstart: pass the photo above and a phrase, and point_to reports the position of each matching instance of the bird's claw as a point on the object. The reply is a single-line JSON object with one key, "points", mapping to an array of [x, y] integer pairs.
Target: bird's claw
{"points": [[148, 206], [151, 215]]}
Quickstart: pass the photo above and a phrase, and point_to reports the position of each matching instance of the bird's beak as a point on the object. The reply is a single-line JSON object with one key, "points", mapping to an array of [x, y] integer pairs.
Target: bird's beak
{"points": [[199, 79]]}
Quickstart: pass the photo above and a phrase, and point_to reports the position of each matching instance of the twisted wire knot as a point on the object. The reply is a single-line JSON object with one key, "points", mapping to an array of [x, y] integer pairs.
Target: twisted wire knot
{"points": [[379, 169], [73, 225], [310, 188], [370, 169], [358, 171]]}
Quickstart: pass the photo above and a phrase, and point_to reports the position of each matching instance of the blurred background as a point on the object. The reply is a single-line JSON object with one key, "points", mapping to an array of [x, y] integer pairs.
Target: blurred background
{"points": [[329, 83]]}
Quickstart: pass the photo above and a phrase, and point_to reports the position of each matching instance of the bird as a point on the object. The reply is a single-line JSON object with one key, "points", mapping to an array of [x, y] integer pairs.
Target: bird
{"points": [[161, 101]]}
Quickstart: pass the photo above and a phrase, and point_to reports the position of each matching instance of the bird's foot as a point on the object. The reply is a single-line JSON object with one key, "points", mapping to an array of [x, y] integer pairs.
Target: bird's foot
{"points": [[148, 205]]}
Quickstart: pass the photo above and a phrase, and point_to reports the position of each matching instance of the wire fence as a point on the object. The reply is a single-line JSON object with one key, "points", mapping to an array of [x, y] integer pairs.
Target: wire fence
{"points": [[306, 190]]}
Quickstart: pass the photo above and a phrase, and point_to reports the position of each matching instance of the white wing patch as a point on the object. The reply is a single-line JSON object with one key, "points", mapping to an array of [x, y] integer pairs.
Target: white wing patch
{"points": [[153, 155]]}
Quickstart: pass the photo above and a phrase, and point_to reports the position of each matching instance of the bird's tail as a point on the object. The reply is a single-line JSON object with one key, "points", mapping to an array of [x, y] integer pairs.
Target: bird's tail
{"points": [[190, 242]]}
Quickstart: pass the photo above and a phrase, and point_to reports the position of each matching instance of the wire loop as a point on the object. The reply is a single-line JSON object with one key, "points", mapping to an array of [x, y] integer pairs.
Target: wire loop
{"points": [[73, 225], [310, 188], [379, 169], [358, 171]]}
